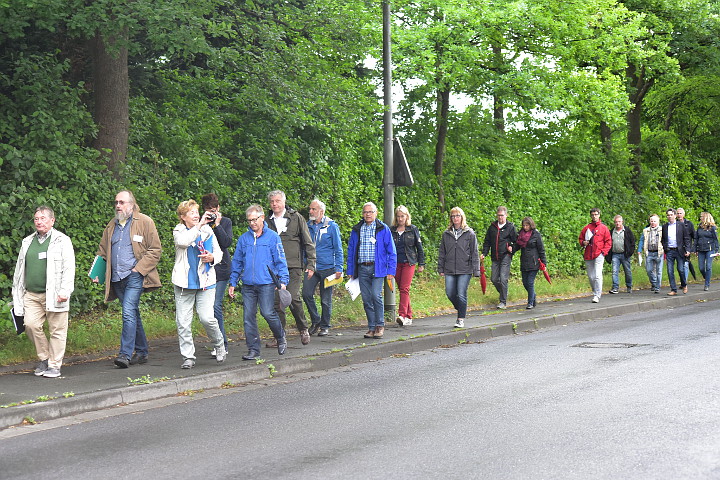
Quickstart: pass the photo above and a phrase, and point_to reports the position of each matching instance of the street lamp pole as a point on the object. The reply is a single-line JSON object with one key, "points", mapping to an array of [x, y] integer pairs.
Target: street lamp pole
{"points": [[388, 180]]}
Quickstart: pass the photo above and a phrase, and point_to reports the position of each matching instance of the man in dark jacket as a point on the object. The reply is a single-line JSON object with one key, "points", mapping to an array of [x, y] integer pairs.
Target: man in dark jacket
{"points": [[300, 255], [222, 228], [676, 244], [691, 229], [623, 246], [500, 242]]}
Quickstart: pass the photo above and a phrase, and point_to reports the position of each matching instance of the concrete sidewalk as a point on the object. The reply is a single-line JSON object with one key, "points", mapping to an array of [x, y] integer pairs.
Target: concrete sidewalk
{"points": [[94, 383]]}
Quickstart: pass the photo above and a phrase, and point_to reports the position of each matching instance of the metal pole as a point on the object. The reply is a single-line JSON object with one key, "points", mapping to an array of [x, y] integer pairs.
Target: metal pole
{"points": [[388, 180]]}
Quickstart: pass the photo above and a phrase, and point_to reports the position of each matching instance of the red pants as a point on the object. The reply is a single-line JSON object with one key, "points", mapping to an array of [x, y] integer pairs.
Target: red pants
{"points": [[403, 278]]}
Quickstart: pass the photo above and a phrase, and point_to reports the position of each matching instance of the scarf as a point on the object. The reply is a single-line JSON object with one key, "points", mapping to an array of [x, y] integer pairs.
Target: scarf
{"points": [[523, 238]]}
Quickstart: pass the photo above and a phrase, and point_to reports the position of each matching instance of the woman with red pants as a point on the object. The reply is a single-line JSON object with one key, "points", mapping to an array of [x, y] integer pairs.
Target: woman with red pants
{"points": [[409, 254]]}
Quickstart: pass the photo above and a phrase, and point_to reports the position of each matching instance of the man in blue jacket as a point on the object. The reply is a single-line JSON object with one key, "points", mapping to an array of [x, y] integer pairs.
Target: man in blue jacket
{"points": [[371, 259], [325, 234], [258, 255]]}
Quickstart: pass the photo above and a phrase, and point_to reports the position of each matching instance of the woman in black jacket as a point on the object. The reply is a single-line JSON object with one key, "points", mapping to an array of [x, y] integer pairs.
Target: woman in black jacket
{"points": [[532, 252], [706, 244], [409, 254]]}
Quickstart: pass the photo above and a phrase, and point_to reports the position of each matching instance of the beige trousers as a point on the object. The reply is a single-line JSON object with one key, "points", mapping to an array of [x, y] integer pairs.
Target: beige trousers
{"points": [[53, 349]]}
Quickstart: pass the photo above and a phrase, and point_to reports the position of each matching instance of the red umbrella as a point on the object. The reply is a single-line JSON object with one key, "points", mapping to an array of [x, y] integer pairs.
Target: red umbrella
{"points": [[545, 272], [483, 278]]}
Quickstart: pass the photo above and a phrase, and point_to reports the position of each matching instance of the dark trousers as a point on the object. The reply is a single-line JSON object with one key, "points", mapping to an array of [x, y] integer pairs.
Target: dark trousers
{"points": [[296, 307]]}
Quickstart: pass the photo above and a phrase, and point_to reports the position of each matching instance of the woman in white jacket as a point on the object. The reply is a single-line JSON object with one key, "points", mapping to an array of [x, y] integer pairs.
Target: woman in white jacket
{"points": [[193, 277]]}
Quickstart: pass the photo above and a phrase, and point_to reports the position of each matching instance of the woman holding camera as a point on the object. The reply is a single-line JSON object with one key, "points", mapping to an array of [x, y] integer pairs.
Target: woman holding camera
{"points": [[193, 276]]}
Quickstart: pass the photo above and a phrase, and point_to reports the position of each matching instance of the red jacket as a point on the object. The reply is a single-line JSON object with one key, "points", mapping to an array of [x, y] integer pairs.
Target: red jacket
{"points": [[601, 241]]}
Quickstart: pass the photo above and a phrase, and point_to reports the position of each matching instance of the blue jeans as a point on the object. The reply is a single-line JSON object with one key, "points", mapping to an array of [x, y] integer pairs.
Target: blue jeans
{"points": [[653, 266], [705, 264], [672, 257], [456, 287], [528, 279], [133, 337], [617, 260], [371, 291], [308, 294], [264, 296], [220, 288]]}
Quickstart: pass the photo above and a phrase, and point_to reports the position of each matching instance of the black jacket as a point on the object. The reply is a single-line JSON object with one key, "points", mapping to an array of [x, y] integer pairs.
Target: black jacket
{"points": [[628, 246], [706, 240], [683, 239], [532, 253], [412, 242], [498, 239], [224, 234]]}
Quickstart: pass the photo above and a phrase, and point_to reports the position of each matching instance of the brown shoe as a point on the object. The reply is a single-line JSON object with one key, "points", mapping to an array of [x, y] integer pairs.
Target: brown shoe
{"points": [[685, 289], [305, 337], [379, 332], [370, 334], [272, 343], [672, 293]]}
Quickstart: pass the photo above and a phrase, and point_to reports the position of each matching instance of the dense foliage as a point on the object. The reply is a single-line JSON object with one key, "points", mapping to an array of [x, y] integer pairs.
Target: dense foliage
{"points": [[546, 107]]}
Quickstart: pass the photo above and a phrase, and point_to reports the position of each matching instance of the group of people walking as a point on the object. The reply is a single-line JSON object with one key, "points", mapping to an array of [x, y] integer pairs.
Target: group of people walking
{"points": [[459, 259], [672, 242], [282, 260]]}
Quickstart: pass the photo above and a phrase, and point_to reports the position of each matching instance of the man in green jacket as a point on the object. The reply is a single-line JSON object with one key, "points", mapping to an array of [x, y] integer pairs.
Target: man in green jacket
{"points": [[300, 254]]}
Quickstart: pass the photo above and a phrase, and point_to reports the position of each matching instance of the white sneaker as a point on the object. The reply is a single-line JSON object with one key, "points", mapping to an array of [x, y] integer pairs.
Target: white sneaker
{"points": [[400, 321], [459, 323], [213, 353], [408, 321], [501, 306], [51, 373], [595, 299], [220, 354]]}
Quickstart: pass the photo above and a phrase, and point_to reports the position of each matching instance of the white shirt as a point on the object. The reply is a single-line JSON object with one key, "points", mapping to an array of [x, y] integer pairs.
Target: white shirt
{"points": [[280, 222], [672, 235]]}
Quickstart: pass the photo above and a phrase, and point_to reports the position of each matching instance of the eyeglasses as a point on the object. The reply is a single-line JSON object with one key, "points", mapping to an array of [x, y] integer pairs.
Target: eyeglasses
{"points": [[253, 220]]}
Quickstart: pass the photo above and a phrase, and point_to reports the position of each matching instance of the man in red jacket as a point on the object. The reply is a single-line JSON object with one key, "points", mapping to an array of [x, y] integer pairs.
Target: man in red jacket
{"points": [[596, 241]]}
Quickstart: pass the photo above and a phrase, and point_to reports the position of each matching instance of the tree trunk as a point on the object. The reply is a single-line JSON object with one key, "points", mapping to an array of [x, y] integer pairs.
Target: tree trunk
{"points": [[638, 86], [111, 89], [606, 139], [498, 114], [443, 109], [498, 104]]}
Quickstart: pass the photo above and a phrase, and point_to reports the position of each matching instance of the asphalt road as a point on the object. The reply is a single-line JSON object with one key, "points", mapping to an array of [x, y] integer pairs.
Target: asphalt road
{"points": [[633, 396]]}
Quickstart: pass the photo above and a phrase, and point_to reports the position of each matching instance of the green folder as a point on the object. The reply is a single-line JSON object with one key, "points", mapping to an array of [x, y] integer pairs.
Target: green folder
{"points": [[98, 269]]}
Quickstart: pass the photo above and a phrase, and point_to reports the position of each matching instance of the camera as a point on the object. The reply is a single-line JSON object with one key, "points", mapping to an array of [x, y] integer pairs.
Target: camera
{"points": [[211, 217]]}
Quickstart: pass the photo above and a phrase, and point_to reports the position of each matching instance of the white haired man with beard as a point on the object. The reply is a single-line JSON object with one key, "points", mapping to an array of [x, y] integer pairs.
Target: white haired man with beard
{"points": [[131, 247]]}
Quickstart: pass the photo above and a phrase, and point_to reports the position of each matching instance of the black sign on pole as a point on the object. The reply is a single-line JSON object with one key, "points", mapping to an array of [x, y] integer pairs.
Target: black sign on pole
{"points": [[401, 169]]}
